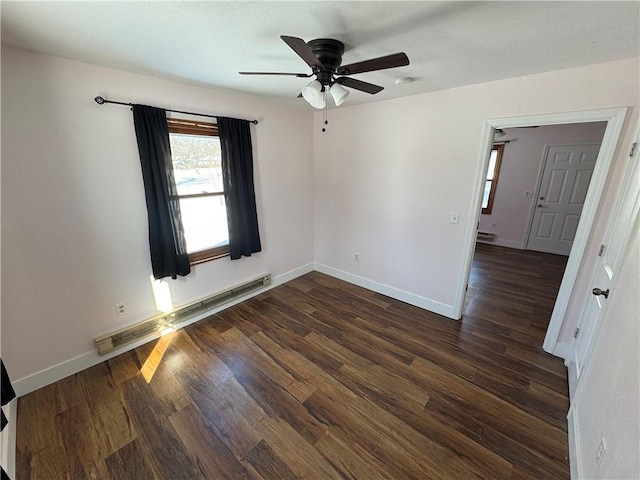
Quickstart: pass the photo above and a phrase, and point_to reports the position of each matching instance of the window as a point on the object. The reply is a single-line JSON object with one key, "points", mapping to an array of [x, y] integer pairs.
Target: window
{"points": [[197, 167], [495, 158]]}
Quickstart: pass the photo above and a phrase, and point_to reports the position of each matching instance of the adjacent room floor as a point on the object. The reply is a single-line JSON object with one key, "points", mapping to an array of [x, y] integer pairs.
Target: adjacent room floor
{"points": [[321, 379]]}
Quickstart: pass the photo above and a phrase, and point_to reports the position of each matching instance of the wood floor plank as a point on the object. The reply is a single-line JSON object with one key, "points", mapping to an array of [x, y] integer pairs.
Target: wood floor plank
{"points": [[279, 403], [291, 340], [268, 464], [301, 366], [109, 410], [51, 462], [201, 441], [453, 415], [160, 444], [351, 460], [495, 411], [123, 367], [128, 463], [36, 422], [300, 456], [80, 440], [318, 378], [348, 424], [229, 425]]}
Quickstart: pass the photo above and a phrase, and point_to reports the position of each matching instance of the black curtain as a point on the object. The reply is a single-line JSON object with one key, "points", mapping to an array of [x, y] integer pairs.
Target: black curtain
{"points": [[7, 395], [166, 235], [240, 197]]}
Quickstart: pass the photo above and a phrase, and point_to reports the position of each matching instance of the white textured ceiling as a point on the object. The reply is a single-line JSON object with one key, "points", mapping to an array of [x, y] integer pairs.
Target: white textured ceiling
{"points": [[449, 44]]}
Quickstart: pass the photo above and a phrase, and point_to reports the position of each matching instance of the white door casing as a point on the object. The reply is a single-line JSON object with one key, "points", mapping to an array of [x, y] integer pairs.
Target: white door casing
{"points": [[615, 120], [620, 230], [562, 191]]}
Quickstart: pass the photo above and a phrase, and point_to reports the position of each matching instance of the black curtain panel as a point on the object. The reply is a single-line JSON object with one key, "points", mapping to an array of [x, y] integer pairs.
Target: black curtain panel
{"points": [[8, 394], [240, 197], [7, 391], [166, 236]]}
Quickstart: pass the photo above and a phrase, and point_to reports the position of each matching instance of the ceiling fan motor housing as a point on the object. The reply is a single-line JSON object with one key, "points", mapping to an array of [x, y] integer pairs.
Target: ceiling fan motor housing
{"points": [[329, 52], [324, 57]]}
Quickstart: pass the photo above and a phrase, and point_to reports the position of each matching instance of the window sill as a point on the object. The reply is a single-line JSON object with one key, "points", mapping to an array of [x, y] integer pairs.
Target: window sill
{"points": [[203, 257]]}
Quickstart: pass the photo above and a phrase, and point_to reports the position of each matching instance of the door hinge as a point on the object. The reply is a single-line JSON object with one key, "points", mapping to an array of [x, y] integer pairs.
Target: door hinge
{"points": [[576, 332], [601, 251], [634, 146]]}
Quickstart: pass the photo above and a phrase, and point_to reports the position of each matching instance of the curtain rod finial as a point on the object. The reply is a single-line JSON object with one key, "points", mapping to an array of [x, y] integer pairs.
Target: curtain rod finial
{"points": [[100, 100], [255, 122]]}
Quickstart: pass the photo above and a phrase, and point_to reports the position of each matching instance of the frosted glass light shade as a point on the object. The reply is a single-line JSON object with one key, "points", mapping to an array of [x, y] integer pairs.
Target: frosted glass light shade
{"points": [[312, 93], [339, 93]]}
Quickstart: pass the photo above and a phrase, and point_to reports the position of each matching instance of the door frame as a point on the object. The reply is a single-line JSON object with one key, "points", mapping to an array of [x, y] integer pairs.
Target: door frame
{"points": [[615, 120], [543, 164]]}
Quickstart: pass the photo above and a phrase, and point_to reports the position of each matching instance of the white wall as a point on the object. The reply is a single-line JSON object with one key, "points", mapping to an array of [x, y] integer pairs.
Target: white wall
{"points": [[607, 403], [522, 161], [74, 226], [381, 181], [387, 175]]}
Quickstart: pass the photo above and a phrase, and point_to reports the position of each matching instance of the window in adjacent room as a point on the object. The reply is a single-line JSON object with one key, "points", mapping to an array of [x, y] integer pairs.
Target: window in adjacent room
{"points": [[495, 158], [197, 167]]}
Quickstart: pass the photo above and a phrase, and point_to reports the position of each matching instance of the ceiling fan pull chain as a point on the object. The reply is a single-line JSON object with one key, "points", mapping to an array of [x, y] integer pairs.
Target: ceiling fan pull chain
{"points": [[324, 111]]}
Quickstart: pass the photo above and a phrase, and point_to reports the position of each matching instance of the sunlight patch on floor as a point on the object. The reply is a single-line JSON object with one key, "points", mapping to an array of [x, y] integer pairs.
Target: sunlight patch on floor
{"points": [[155, 357]]}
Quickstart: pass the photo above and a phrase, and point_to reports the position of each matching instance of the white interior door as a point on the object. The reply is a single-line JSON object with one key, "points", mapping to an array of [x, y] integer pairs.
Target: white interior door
{"points": [[563, 189], [622, 225]]}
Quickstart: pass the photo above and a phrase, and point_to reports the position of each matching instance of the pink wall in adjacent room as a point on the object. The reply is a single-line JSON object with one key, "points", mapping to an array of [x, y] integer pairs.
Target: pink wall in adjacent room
{"points": [[522, 162]]}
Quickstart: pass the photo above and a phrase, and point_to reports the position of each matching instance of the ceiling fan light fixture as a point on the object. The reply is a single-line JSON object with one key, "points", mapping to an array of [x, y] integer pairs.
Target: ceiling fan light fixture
{"points": [[313, 94], [339, 93]]}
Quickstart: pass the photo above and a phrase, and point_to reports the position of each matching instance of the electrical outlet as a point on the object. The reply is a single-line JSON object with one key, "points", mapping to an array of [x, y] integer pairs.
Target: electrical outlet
{"points": [[602, 449], [528, 194], [455, 218], [356, 257], [121, 309]]}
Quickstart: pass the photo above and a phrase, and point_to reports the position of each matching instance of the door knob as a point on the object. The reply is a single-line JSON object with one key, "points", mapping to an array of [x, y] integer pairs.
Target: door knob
{"points": [[598, 291], [540, 205]]}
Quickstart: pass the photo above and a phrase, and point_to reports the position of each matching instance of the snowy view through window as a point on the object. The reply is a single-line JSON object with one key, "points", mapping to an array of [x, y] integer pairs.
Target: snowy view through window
{"points": [[198, 174]]}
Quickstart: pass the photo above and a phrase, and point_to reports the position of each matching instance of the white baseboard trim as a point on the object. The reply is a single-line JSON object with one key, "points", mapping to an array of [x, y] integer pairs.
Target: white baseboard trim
{"points": [[74, 365], [504, 243], [407, 297], [562, 350], [8, 439], [574, 445]]}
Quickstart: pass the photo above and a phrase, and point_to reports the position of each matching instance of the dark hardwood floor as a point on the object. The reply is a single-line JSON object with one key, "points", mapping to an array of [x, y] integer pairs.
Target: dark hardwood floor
{"points": [[320, 379]]}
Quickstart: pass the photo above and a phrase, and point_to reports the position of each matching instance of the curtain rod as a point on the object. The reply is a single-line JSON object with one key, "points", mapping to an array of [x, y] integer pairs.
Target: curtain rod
{"points": [[102, 101]]}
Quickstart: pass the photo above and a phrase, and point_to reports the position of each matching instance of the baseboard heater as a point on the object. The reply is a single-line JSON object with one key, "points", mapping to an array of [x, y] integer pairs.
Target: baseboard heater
{"points": [[133, 333], [485, 236]]}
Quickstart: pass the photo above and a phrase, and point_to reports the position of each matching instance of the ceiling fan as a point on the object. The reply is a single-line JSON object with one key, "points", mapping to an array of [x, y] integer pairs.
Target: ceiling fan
{"points": [[324, 56]]}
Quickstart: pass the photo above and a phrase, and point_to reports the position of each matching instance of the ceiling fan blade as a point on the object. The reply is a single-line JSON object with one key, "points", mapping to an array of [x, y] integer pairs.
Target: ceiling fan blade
{"points": [[302, 49], [359, 85], [303, 75], [380, 63]]}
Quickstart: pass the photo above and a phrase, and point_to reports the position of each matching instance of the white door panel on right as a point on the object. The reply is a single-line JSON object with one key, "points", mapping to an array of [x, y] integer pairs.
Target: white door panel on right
{"points": [[621, 228], [563, 189]]}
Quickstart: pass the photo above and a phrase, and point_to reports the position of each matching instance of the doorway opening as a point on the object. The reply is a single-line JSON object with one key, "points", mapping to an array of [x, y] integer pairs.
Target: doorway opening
{"points": [[575, 229]]}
